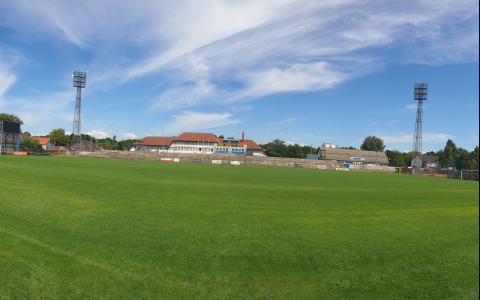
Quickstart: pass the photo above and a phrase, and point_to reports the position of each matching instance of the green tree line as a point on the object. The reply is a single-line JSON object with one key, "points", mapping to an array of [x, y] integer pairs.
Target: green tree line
{"points": [[449, 157], [59, 138], [278, 148]]}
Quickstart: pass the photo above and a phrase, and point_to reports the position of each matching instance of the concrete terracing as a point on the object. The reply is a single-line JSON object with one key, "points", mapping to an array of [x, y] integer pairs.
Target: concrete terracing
{"points": [[224, 158]]}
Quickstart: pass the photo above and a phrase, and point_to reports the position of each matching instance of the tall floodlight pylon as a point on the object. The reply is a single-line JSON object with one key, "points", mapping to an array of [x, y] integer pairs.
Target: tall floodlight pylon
{"points": [[419, 94], [79, 81]]}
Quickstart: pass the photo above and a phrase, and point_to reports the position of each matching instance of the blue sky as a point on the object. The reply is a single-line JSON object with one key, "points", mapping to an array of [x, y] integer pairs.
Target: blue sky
{"points": [[306, 72]]}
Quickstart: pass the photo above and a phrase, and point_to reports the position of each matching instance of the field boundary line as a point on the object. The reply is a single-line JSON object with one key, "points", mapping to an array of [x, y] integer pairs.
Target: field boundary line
{"points": [[76, 257]]}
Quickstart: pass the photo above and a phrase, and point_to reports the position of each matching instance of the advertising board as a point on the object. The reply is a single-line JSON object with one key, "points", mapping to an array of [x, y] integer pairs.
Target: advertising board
{"points": [[297, 165], [176, 160], [218, 162], [440, 175], [166, 159], [342, 169], [19, 153], [198, 161], [234, 162], [356, 158], [321, 167]]}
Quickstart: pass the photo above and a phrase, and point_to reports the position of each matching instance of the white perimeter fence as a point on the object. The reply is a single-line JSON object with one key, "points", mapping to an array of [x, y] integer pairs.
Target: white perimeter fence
{"points": [[368, 167]]}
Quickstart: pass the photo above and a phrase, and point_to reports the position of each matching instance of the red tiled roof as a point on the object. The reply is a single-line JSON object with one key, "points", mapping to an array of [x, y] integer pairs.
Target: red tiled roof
{"points": [[196, 136], [42, 141], [186, 136], [23, 135], [155, 141], [251, 145], [61, 147]]}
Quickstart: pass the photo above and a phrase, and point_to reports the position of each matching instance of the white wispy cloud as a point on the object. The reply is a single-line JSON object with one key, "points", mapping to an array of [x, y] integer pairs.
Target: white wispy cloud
{"points": [[190, 121], [194, 48], [288, 120], [400, 138], [7, 78], [437, 137], [100, 134], [412, 106], [127, 136], [42, 108]]}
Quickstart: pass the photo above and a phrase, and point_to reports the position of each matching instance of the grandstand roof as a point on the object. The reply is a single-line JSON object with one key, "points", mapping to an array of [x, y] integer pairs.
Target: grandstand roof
{"points": [[191, 137], [347, 155], [155, 141], [186, 136], [195, 136]]}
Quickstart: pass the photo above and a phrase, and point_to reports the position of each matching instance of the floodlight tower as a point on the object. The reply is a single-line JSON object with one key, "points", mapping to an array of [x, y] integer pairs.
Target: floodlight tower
{"points": [[79, 81], [419, 94]]}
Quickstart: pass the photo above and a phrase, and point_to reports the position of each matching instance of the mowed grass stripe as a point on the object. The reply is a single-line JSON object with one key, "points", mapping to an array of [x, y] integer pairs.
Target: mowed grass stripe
{"points": [[231, 232]]}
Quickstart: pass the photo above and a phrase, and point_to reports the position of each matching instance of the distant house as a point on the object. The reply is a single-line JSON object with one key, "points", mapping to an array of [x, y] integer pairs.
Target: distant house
{"points": [[429, 161], [9, 140], [354, 157], [44, 142]]}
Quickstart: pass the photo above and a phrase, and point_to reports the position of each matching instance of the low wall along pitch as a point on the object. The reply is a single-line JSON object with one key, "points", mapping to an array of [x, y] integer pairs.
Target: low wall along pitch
{"points": [[218, 158]]}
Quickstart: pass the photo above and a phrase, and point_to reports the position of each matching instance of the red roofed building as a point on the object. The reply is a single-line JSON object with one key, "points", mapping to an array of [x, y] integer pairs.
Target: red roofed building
{"points": [[10, 140], [43, 142], [187, 142], [194, 142]]}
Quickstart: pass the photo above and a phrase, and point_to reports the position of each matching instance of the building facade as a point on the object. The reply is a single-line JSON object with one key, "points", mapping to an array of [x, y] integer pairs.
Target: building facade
{"points": [[354, 157], [199, 143]]}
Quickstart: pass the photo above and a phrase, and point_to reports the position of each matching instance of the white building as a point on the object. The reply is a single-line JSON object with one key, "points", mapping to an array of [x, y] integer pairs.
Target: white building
{"points": [[201, 143]]}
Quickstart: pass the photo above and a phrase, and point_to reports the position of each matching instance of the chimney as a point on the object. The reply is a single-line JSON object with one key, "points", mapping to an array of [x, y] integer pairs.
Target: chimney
{"points": [[229, 144], [243, 137]]}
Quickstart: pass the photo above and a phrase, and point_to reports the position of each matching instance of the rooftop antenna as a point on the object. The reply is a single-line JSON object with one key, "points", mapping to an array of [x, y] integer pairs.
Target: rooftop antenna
{"points": [[238, 133], [420, 91], [79, 81]]}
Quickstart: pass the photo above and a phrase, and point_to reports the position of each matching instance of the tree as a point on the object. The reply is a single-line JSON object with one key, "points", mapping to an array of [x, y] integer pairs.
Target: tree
{"points": [[308, 150], [407, 156], [350, 148], [10, 118], [462, 160], [449, 155], [87, 137], [125, 144], [30, 144], [276, 148], [372, 143], [396, 158], [474, 157], [294, 151], [58, 137]]}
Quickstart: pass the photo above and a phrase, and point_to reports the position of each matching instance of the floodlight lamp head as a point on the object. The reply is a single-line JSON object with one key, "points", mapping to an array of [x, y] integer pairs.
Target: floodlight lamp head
{"points": [[420, 91], [79, 79]]}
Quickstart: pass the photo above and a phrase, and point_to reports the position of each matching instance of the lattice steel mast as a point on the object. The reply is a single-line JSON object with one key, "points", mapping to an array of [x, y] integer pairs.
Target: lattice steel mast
{"points": [[79, 81], [419, 94]]}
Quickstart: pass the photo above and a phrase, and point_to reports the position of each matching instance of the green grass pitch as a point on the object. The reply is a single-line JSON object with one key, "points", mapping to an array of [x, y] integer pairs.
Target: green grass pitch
{"points": [[87, 228]]}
